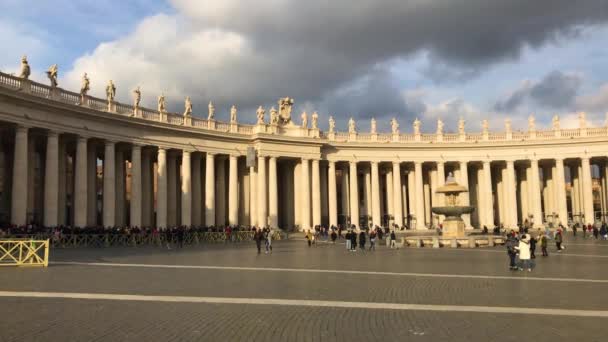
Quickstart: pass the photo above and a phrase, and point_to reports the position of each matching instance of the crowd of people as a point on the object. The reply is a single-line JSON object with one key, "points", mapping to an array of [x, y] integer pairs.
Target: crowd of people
{"points": [[351, 237]]}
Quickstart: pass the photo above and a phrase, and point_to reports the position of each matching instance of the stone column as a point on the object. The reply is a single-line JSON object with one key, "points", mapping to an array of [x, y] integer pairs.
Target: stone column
{"points": [[51, 180], [344, 184], [186, 189], [197, 198], [354, 194], [397, 202], [273, 200], [511, 193], [91, 185], [465, 196], [136, 187], [210, 190], [420, 220], [390, 196], [375, 195], [220, 192], [487, 186], [305, 195], [109, 185], [536, 200], [20, 176], [262, 192], [587, 191], [161, 191], [172, 207], [560, 190], [147, 191], [233, 197], [253, 196], [316, 194], [80, 184], [332, 194], [440, 182], [120, 190], [367, 192]]}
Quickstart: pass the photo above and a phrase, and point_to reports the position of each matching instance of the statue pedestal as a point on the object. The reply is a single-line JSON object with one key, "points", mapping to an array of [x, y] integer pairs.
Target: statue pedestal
{"points": [[26, 86], [453, 227], [259, 128]]}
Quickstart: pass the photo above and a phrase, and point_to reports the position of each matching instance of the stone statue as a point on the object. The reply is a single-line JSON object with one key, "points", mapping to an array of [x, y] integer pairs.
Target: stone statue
{"points": [[86, 86], [137, 95], [315, 120], [233, 114], [187, 106], [332, 124], [25, 68], [260, 113], [52, 74], [285, 106], [531, 123], [461, 123], [439, 126], [304, 117], [373, 125], [485, 126], [110, 91], [450, 178], [161, 103], [556, 124], [274, 116], [352, 126], [508, 125], [416, 126], [582, 120], [394, 126], [211, 113]]}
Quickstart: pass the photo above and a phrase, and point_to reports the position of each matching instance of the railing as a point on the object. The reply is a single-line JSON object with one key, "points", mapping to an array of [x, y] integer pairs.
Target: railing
{"points": [[72, 98], [15, 252]]}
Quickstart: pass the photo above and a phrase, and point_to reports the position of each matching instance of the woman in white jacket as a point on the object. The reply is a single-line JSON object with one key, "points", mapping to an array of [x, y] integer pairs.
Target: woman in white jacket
{"points": [[524, 252]]}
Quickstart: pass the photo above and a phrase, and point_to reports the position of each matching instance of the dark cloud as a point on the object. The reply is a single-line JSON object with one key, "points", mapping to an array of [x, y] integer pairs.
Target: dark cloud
{"points": [[557, 90]]}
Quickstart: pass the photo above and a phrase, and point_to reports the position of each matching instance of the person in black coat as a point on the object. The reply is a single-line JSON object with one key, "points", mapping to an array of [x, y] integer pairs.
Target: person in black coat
{"points": [[362, 240], [353, 241]]}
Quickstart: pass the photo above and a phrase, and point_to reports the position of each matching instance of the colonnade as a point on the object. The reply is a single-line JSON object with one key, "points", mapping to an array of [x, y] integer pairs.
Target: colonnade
{"points": [[61, 178]]}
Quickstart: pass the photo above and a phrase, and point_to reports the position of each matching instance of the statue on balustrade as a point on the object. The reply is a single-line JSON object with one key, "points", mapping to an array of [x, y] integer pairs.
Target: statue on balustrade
{"points": [[352, 126], [211, 114], [416, 126], [110, 92], [315, 120], [52, 74], [582, 120], [304, 118], [161, 103], [373, 126], [556, 125], [485, 126], [85, 87], [25, 68], [508, 125], [394, 126], [439, 126], [461, 123], [531, 123], [285, 106], [260, 113], [137, 95], [332, 124], [274, 116], [233, 113], [187, 106]]}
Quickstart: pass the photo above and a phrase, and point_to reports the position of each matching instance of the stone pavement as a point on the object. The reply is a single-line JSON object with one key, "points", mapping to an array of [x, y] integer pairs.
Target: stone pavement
{"points": [[222, 293]]}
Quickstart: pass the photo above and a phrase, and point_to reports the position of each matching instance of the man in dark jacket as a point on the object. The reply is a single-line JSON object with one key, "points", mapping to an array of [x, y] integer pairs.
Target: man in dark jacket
{"points": [[362, 240], [353, 241], [511, 251]]}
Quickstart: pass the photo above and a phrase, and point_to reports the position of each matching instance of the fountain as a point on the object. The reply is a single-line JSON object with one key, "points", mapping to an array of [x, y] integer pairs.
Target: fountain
{"points": [[453, 225]]}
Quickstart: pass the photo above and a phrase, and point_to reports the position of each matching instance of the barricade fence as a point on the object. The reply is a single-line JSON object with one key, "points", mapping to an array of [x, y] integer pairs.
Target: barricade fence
{"points": [[139, 239], [15, 252]]}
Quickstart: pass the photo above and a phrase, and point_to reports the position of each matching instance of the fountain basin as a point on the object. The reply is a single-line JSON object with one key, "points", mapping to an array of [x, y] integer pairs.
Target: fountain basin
{"points": [[453, 212]]}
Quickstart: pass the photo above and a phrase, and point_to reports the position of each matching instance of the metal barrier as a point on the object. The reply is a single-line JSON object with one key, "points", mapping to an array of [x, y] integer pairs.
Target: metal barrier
{"points": [[24, 253], [141, 239]]}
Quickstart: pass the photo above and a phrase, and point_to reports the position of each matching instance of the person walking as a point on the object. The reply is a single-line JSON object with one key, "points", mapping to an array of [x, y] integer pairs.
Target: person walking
{"points": [[372, 240], [524, 253], [511, 243], [558, 240], [308, 236], [532, 246], [353, 241], [543, 244], [596, 232], [393, 238], [258, 236], [362, 240], [604, 231], [268, 240], [574, 229], [347, 238]]}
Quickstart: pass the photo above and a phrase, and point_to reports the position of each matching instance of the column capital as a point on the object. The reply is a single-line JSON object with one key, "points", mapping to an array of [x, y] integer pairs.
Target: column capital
{"points": [[52, 133], [396, 162], [109, 142], [162, 150]]}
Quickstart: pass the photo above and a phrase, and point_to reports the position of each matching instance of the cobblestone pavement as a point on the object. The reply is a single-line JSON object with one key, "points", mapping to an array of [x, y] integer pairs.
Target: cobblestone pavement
{"points": [[569, 290]]}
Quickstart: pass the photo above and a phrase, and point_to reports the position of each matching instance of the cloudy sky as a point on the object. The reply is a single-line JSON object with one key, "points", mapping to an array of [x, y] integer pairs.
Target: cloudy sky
{"points": [[368, 58]]}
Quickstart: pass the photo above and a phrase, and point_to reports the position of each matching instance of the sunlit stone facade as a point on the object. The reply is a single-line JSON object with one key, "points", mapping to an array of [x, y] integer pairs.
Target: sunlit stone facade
{"points": [[72, 159]]}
